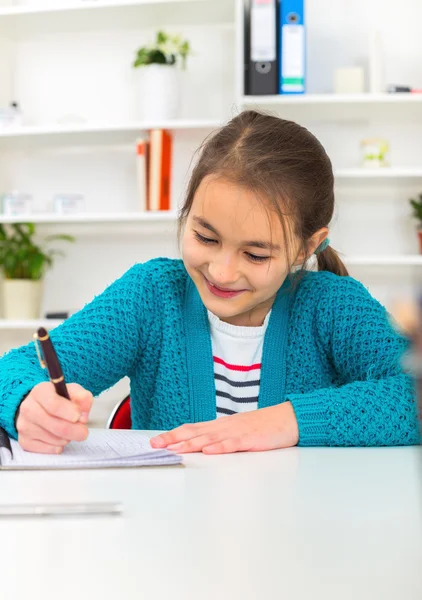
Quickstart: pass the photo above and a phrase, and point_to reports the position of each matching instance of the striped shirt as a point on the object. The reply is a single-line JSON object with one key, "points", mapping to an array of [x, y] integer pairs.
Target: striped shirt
{"points": [[237, 353]]}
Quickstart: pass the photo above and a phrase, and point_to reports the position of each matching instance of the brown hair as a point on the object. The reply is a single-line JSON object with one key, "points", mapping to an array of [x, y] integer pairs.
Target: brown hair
{"points": [[283, 163]]}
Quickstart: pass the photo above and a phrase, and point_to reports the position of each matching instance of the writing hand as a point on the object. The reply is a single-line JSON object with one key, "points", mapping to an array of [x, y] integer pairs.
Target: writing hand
{"points": [[47, 421]]}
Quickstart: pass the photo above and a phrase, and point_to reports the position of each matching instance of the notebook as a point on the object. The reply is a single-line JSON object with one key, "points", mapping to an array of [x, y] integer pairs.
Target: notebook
{"points": [[102, 448]]}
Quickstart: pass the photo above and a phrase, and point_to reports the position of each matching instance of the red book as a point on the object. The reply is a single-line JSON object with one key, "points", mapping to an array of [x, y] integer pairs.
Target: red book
{"points": [[142, 172], [160, 159]]}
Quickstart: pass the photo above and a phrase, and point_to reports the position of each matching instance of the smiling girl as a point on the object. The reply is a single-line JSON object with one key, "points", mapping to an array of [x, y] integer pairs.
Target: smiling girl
{"points": [[237, 346]]}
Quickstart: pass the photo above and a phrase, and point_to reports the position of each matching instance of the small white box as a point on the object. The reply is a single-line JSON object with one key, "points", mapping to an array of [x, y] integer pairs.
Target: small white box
{"points": [[16, 203], [349, 80], [68, 204]]}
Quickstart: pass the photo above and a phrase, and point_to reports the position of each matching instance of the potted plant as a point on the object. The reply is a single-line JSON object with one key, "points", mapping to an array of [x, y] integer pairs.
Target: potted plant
{"points": [[159, 67], [23, 263], [417, 213]]}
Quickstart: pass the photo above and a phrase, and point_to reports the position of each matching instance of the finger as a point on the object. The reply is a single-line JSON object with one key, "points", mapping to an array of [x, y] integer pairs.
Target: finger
{"points": [[227, 446], [72, 432], [35, 414], [31, 445], [180, 434], [83, 399], [40, 434], [195, 444], [55, 405]]}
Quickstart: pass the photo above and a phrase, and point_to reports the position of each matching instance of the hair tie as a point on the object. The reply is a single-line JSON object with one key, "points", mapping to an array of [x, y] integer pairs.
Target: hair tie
{"points": [[322, 246]]}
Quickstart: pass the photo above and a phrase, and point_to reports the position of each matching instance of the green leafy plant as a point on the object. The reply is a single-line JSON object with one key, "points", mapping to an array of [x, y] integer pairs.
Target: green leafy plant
{"points": [[166, 50], [21, 257], [417, 208]]}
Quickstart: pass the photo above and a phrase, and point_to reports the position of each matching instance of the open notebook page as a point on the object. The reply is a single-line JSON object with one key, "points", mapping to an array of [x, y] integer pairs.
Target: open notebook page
{"points": [[102, 448]]}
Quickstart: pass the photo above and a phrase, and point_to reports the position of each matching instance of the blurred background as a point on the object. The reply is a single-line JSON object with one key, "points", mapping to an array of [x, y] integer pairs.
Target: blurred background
{"points": [[104, 102]]}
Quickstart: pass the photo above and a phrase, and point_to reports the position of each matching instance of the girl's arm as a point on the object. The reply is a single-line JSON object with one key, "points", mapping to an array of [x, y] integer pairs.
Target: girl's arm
{"points": [[375, 404], [96, 347]]}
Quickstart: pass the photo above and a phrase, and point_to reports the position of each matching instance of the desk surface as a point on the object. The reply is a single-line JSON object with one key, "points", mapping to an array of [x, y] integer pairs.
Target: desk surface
{"points": [[332, 524]]}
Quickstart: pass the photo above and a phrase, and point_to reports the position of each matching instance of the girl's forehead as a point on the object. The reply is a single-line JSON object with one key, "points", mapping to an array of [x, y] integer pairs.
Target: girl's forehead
{"points": [[227, 205]]}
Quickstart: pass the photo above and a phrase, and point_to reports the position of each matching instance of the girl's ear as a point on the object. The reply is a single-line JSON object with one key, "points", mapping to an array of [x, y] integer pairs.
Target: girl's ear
{"points": [[314, 241]]}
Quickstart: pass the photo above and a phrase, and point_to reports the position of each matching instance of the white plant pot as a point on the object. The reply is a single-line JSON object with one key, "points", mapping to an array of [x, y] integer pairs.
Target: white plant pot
{"points": [[159, 92], [21, 299]]}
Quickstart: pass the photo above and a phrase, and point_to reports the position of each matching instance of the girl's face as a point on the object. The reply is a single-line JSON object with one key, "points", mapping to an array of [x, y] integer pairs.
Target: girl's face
{"points": [[234, 251]]}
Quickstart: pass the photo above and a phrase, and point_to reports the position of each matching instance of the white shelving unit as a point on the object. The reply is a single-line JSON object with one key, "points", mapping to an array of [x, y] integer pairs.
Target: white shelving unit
{"points": [[91, 44], [100, 14], [372, 225], [384, 261], [96, 218], [46, 8], [330, 99], [101, 132], [381, 173], [31, 325]]}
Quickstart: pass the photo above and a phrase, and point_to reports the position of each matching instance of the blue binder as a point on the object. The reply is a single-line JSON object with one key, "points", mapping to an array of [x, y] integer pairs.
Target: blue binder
{"points": [[292, 48]]}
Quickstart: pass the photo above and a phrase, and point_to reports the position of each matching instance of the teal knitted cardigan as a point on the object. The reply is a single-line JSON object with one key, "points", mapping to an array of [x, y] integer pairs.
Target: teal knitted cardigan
{"points": [[329, 349]]}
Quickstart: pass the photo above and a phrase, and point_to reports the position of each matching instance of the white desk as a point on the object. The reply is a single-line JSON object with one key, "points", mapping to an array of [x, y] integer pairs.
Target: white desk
{"points": [[329, 524]]}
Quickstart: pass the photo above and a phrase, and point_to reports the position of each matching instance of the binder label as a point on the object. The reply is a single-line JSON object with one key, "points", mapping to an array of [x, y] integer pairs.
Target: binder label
{"points": [[263, 31], [293, 58]]}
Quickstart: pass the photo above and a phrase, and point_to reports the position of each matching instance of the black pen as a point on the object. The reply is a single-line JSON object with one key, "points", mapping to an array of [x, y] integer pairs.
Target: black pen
{"points": [[49, 361]]}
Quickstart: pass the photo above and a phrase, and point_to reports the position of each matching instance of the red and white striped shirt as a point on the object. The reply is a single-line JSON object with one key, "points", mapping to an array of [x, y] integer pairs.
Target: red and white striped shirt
{"points": [[237, 353]]}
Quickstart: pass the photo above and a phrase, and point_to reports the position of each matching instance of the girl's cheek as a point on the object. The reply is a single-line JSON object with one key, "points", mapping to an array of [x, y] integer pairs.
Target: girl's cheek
{"points": [[192, 253], [272, 278]]}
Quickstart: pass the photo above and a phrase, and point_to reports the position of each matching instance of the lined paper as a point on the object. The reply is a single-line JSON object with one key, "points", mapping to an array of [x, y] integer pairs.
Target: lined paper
{"points": [[102, 448]]}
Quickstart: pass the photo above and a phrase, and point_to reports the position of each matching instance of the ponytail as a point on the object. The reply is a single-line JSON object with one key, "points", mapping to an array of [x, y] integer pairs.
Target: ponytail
{"points": [[329, 260]]}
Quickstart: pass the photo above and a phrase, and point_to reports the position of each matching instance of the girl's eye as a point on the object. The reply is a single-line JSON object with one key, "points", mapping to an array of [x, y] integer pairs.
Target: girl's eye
{"points": [[204, 240], [255, 258], [252, 257]]}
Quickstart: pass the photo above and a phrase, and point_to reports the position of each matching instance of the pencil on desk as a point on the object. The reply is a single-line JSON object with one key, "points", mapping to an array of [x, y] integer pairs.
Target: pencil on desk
{"points": [[60, 510]]}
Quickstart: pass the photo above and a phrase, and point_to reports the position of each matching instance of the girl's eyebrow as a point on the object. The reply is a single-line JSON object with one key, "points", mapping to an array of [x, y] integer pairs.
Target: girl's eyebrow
{"points": [[205, 224], [254, 243]]}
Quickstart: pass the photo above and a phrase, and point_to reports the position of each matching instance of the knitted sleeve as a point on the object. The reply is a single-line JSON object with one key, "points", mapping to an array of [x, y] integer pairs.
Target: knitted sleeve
{"points": [[375, 403], [96, 346]]}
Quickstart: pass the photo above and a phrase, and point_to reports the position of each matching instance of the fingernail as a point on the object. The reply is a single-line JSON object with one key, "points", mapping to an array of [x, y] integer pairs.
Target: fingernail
{"points": [[84, 417], [157, 442], [76, 417]]}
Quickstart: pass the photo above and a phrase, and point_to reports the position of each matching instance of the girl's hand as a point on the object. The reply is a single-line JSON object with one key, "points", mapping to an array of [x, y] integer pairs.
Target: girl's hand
{"points": [[47, 422], [263, 429]]}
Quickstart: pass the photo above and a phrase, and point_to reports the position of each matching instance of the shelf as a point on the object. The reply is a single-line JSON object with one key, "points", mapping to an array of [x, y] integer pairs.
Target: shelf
{"points": [[94, 218], [379, 173], [32, 325], [387, 261], [81, 6], [306, 99], [313, 108], [97, 14], [92, 132]]}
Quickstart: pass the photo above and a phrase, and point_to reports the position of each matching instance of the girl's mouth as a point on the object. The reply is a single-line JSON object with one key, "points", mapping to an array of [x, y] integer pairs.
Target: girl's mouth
{"points": [[222, 292]]}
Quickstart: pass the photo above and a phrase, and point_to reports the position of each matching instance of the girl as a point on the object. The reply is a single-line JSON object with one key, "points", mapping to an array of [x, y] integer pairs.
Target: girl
{"points": [[238, 346]]}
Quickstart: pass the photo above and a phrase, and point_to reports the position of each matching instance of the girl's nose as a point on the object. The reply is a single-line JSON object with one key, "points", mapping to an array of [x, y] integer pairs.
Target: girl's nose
{"points": [[223, 272]]}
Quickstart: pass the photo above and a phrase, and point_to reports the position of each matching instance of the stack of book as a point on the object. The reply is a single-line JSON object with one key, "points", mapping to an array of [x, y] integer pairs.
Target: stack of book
{"points": [[154, 158]]}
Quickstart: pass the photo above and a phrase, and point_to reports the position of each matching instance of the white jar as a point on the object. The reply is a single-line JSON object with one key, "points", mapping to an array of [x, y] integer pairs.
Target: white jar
{"points": [[159, 92], [21, 299]]}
